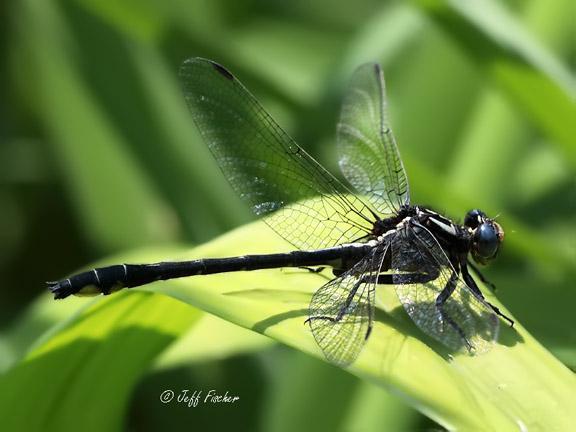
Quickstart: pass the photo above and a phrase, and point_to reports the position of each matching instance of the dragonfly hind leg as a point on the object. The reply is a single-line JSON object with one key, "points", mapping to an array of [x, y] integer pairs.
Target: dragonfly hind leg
{"points": [[313, 269], [344, 307]]}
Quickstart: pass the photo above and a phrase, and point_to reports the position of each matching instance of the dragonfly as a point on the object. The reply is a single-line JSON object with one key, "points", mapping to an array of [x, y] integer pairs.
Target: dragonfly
{"points": [[367, 232]]}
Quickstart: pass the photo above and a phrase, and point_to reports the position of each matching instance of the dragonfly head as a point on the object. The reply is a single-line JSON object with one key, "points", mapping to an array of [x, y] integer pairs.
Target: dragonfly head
{"points": [[487, 235]]}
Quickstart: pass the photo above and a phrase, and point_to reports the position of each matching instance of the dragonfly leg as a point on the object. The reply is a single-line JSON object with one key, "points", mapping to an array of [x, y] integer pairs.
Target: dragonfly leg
{"points": [[370, 319], [441, 300], [313, 269], [476, 291], [478, 273], [344, 307]]}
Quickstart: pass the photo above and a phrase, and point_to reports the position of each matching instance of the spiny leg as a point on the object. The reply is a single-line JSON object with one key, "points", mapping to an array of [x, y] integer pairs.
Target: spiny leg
{"points": [[478, 273], [315, 270], [441, 300], [476, 291], [370, 318], [344, 307]]}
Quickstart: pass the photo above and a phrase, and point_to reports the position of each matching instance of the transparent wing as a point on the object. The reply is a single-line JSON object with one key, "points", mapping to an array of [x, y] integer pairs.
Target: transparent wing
{"points": [[369, 157], [266, 167], [341, 312], [415, 250]]}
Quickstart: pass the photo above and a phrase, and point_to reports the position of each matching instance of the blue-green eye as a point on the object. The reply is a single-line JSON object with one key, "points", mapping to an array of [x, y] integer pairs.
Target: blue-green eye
{"points": [[486, 241]]}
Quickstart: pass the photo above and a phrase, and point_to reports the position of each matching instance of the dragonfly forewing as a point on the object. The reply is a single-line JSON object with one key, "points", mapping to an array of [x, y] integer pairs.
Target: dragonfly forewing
{"points": [[304, 203]]}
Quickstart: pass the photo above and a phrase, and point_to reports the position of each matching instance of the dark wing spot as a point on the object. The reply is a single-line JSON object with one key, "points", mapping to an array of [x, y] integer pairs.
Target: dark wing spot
{"points": [[222, 70]]}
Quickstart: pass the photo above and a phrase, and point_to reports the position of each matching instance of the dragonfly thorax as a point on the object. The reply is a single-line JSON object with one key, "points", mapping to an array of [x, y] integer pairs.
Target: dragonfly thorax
{"points": [[382, 226]]}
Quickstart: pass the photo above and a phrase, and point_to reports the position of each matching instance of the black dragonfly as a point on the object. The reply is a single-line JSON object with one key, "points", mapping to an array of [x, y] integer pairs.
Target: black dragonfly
{"points": [[374, 237]]}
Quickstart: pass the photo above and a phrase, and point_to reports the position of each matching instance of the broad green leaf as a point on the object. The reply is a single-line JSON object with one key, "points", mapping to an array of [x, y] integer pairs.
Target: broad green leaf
{"points": [[211, 339], [453, 392], [493, 391], [85, 369]]}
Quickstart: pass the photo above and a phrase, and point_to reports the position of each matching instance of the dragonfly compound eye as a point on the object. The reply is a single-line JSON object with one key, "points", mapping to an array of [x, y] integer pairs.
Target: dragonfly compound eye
{"points": [[486, 241]]}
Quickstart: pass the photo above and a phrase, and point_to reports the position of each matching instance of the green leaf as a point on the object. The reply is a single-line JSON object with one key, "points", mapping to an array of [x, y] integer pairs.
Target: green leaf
{"points": [[493, 391], [88, 365], [211, 338]]}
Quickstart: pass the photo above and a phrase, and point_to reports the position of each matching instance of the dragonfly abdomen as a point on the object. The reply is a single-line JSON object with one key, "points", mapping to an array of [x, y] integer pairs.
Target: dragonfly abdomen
{"points": [[106, 280]]}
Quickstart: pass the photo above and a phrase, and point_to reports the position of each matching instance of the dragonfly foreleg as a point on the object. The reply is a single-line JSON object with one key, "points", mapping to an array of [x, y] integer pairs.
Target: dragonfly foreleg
{"points": [[476, 291], [478, 273]]}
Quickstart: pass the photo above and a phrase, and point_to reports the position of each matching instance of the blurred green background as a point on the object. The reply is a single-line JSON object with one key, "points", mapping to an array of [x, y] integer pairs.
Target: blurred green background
{"points": [[98, 156]]}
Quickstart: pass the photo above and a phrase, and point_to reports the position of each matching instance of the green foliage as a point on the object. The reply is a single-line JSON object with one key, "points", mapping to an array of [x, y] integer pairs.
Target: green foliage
{"points": [[98, 155]]}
